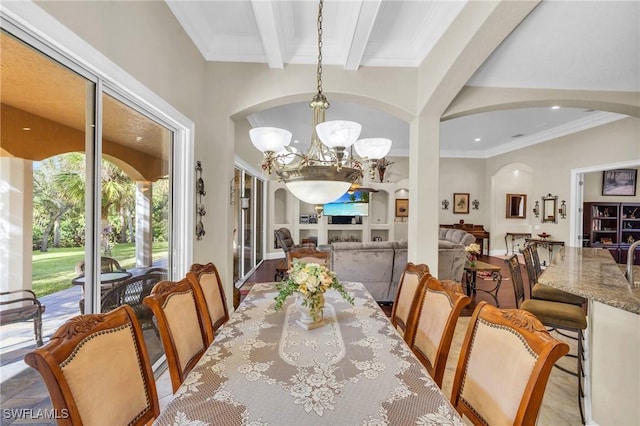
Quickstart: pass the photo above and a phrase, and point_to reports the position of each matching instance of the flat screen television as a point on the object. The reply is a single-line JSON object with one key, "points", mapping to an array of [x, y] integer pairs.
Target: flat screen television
{"points": [[356, 204]]}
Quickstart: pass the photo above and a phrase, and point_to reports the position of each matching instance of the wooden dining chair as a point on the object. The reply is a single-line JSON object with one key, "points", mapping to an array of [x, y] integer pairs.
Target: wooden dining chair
{"points": [[309, 256], [206, 280], [504, 365], [407, 288], [178, 309], [554, 315], [97, 371], [432, 323]]}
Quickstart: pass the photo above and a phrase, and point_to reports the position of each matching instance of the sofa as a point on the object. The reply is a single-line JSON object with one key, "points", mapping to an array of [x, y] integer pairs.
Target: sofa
{"points": [[379, 264]]}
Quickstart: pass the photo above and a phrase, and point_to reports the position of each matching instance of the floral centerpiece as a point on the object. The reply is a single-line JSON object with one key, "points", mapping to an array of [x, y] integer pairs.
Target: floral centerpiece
{"points": [[309, 281], [473, 251]]}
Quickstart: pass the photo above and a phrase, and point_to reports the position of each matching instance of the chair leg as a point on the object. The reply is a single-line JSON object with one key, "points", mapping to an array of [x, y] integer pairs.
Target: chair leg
{"points": [[37, 329]]}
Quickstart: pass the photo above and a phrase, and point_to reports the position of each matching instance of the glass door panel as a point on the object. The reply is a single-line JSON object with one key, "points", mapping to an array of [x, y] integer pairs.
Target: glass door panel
{"points": [[47, 121], [237, 213], [134, 219], [259, 220], [246, 203]]}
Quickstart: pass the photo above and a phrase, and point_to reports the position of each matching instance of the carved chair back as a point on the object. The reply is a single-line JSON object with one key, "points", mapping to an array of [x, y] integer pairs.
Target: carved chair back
{"points": [[407, 289], [433, 321], [179, 310], [206, 281], [504, 366], [97, 370]]}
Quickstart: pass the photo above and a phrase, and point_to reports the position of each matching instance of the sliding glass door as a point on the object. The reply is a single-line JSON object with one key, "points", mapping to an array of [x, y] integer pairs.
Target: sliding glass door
{"points": [[86, 189], [247, 198]]}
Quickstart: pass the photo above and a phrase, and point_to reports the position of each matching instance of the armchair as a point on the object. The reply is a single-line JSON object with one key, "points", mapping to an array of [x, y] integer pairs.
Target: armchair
{"points": [[285, 240]]}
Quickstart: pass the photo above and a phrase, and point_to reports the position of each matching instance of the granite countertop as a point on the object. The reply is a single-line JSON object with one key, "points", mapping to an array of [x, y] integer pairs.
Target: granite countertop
{"points": [[592, 273]]}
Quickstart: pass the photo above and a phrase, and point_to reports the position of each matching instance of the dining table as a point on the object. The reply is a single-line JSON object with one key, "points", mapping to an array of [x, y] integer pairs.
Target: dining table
{"points": [[263, 368]]}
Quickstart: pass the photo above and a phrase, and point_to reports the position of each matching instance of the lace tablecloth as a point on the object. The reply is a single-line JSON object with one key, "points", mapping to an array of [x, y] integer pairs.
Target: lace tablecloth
{"points": [[264, 369]]}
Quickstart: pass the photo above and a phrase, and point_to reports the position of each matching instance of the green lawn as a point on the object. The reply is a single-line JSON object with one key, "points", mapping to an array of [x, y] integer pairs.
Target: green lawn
{"points": [[54, 270]]}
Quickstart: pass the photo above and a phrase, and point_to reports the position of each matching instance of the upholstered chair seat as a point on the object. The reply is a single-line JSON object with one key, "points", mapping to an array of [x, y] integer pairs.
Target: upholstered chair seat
{"points": [[561, 315], [545, 292]]}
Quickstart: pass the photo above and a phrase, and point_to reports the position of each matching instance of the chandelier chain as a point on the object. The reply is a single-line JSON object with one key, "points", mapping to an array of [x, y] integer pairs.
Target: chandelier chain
{"points": [[319, 70]]}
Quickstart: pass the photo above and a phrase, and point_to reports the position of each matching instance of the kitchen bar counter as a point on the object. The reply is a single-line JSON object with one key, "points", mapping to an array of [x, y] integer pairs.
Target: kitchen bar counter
{"points": [[592, 273]]}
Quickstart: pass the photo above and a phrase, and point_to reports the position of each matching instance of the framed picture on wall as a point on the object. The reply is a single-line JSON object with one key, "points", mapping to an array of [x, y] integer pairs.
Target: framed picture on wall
{"points": [[619, 182], [461, 203], [402, 207]]}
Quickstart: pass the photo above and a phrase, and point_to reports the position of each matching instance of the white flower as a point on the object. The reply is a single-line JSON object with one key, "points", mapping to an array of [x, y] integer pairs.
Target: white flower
{"points": [[473, 248]]}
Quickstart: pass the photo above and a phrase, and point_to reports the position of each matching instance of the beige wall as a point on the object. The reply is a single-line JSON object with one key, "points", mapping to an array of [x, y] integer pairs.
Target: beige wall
{"points": [[466, 176]]}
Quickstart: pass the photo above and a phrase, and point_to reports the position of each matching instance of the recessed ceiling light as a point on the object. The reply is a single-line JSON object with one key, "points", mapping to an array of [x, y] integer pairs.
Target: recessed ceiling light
{"points": [[26, 129], [555, 107], [477, 140], [138, 138], [296, 141]]}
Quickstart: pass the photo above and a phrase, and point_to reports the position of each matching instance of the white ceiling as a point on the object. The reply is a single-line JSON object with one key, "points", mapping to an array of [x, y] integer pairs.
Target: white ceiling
{"points": [[589, 45]]}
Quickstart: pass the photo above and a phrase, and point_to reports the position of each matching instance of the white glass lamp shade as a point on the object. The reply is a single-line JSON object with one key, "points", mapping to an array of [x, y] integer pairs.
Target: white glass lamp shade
{"points": [[285, 157], [338, 133], [373, 148], [318, 191], [270, 139]]}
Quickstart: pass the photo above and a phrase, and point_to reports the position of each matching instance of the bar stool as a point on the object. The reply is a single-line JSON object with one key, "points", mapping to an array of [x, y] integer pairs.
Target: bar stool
{"points": [[541, 291], [558, 315]]}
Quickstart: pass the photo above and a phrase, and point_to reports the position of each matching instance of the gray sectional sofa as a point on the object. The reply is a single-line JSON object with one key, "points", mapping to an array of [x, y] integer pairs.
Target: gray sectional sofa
{"points": [[379, 264]]}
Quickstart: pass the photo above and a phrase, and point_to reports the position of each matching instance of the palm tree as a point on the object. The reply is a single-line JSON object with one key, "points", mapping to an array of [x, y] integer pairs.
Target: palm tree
{"points": [[55, 193]]}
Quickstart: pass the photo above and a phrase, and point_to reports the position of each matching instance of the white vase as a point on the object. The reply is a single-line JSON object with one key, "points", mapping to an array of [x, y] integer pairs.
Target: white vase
{"points": [[306, 320]]}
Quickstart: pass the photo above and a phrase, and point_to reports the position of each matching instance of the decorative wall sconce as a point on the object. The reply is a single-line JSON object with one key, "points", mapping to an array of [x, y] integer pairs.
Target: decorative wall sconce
{"points": [[475, 204], [563, 210], [200, 192], [536, 209], [445, 204], [232, 191]]}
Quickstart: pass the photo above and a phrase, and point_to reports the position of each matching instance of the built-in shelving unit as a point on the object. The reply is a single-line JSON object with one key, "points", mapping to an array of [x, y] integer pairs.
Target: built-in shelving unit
{"points": [[378, 226], [614, 226]]}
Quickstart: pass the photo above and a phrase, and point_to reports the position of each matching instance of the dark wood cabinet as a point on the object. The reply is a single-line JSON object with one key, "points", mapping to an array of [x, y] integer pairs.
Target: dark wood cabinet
{"points": [[614, 226]]}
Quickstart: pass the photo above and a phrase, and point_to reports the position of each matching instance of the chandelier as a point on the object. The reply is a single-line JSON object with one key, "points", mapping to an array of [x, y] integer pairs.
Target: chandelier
{"points": [[328, 169]]}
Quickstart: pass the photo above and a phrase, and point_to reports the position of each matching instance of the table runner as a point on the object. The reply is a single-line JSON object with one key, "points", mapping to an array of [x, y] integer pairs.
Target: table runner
{"points": [[264, 369]]}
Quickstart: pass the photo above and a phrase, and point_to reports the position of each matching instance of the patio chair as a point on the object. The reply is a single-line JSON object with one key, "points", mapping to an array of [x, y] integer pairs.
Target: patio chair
{"points": [[97, 371], [132, 292], [107, 264], [26, 307]]}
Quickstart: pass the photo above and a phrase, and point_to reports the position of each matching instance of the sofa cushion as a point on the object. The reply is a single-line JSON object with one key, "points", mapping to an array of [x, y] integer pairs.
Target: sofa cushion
{"points": [[457, 236], [399, 264], [368, 263], [444, 244]]}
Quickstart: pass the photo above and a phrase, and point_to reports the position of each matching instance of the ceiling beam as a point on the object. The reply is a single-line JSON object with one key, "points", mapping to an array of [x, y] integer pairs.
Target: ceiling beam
{"points": [[266, 21], [362, 27]]}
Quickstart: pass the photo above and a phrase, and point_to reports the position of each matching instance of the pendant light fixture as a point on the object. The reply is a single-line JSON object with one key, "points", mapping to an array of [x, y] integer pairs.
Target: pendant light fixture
{"points": [[326, 171]]}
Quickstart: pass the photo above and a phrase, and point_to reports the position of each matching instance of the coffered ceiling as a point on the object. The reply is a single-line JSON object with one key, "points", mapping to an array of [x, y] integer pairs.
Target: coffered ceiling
{"points": [[582, 45]]}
